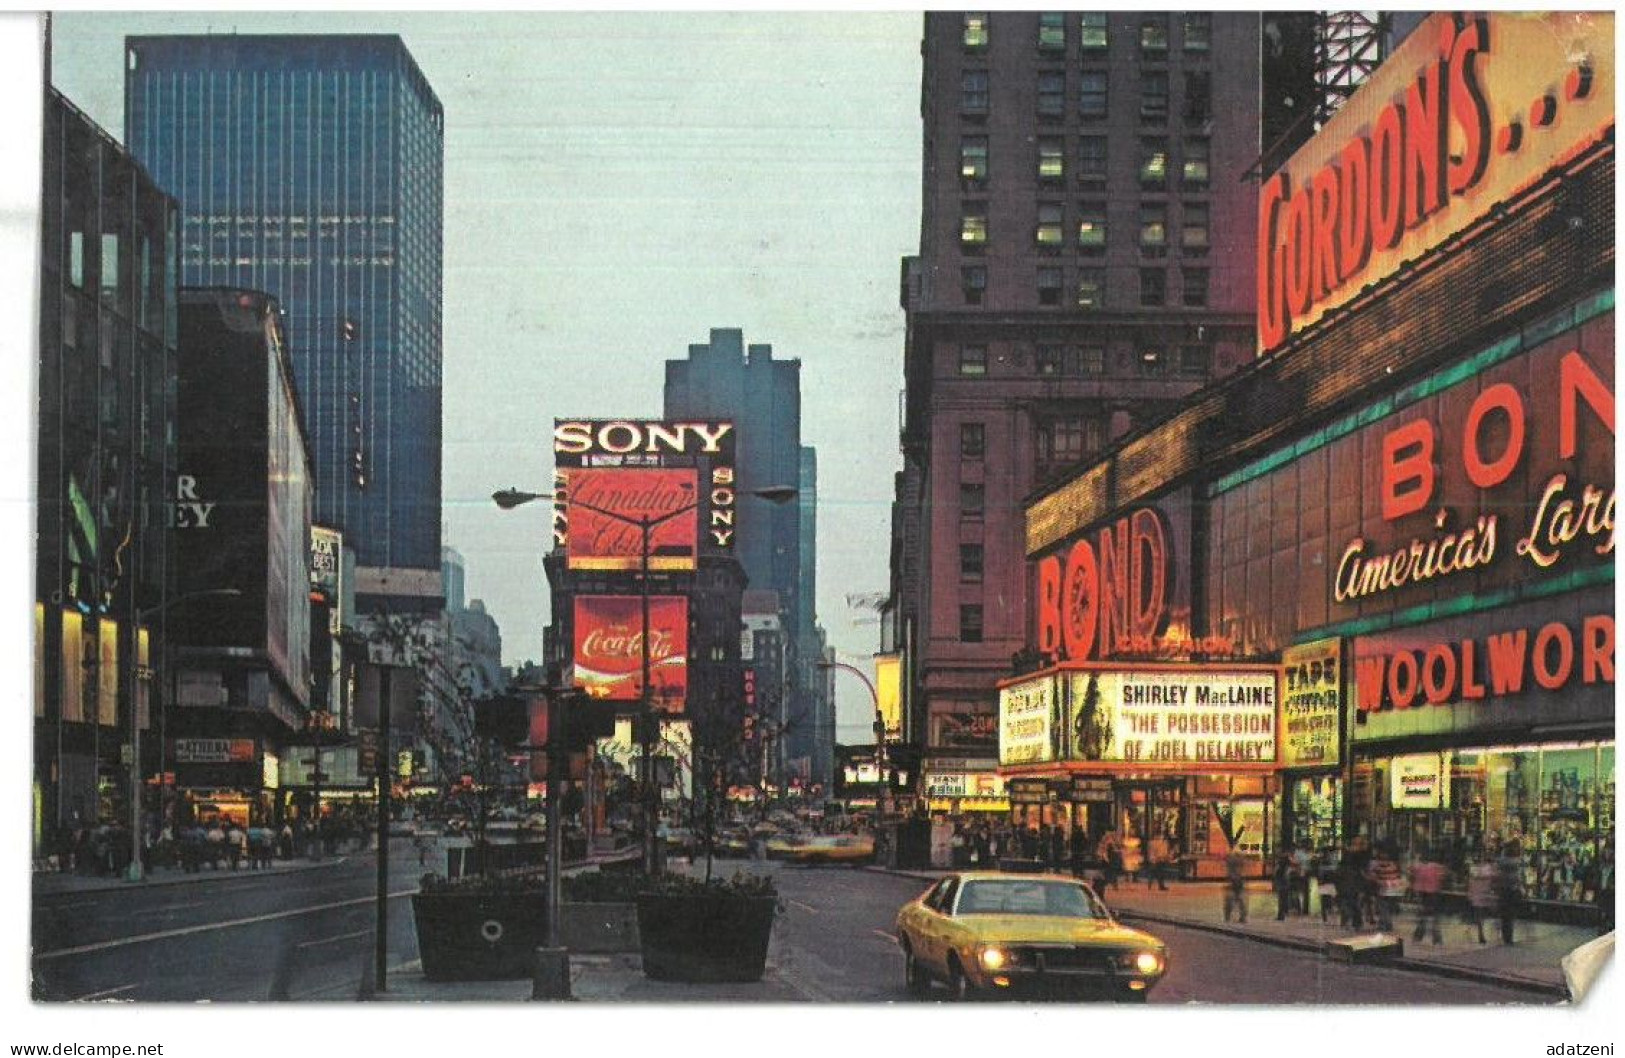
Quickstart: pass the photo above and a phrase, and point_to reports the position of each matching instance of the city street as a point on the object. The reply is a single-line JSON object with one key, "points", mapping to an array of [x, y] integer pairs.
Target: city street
{"points": [[221, 939]]}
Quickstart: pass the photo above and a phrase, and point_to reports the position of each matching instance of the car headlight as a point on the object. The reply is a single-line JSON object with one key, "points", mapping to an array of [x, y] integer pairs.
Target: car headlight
{"points": [[1147, 962], [995, 958]]}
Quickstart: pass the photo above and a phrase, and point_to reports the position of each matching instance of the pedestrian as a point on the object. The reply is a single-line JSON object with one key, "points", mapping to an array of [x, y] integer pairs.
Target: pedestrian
{"points": [[1282, 882], [1326, 887], [236, 844], [1351, 884], [983, 848], [215, 838], [1303, 872], [1427, 882], [1235, 884], [1509, 888], [1057, 848], [1112, 857], [1157, 858], [285, 841], [1386, 883], [1480, 894]]}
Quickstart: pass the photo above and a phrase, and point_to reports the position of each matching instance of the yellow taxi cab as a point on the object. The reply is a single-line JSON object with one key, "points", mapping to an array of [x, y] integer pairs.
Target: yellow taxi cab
{"points": [[832, 848], [989, 932]]}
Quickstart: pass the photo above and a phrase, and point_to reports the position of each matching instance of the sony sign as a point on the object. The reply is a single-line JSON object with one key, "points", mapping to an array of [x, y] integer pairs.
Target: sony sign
{"points": [[627, 437]]}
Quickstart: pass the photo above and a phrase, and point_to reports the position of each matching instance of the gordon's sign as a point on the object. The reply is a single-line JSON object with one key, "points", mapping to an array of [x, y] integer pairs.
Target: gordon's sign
{"points": [[1467, 113]]}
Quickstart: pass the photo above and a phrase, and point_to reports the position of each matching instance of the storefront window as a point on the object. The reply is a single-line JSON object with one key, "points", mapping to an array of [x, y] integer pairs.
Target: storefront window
{"points": [[1557, 802]]}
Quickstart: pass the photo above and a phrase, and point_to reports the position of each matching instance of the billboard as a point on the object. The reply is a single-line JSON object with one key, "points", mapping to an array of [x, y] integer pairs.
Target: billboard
{"points": [[889, 692], [706, 448], [605, 509], [1467, 113], [1028, 718], [1311, 704], [609, 648]]}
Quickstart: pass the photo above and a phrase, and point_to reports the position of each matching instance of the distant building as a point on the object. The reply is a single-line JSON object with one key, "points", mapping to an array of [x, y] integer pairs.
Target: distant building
{"points": [[310, 166], [107, 349]]}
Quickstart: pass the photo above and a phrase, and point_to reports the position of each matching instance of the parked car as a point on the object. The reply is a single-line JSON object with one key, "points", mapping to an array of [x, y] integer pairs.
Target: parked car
{"points": [[986, 932]]}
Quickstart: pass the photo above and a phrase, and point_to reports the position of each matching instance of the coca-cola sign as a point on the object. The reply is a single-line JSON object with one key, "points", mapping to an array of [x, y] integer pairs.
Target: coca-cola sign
{"points": [[606, 510], [609, 648]]}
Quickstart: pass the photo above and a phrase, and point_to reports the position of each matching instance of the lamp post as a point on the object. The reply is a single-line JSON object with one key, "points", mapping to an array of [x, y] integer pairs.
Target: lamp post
{"points": [[507, 499], [879, 722], [134, 871]]}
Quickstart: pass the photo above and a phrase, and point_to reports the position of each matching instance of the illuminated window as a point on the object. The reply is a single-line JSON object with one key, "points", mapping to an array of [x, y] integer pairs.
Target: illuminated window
{"points": [[973, 283], [1091, 158], [1091, 288], [1093, 33], [1153, 226], [970, 624], [1048, 234], [1153, 287], [1198, 30], [1193, 234], [1052, 31], [973, 360], [1066, 440], [1154, 96], [1154, 163], [973, 159], [1051, 94], [973, 92], [1092, 93], [973, 225], [1195, 171], [1092, 227], [1154, 36], [1152, 362], [970, 562], [1049, 286], [1092, 360], [1195, 295], [972, 440], [976, 27], [1051, 159]]}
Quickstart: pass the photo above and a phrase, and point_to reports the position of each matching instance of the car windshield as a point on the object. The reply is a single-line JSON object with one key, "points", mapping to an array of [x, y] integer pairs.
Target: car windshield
{"points": [[1028, 897]]}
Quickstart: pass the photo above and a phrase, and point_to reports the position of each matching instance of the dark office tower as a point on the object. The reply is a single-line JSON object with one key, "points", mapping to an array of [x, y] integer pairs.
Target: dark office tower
{"points": [[762, 397], [310, 167], [106, 464], [1086, 259]]}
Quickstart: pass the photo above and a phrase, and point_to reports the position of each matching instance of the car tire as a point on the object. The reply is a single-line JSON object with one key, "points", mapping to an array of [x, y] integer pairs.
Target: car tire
{"points": [[915, 978], [959, 986]]}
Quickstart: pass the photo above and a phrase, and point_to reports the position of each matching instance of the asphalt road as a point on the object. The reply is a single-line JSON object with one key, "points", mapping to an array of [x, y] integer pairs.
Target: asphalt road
{"points": [[221, 939]]}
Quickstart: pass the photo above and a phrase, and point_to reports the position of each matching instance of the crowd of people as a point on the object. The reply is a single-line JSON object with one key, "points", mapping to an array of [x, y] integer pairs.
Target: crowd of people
{"points": [[217, 841], [1099, 858]]}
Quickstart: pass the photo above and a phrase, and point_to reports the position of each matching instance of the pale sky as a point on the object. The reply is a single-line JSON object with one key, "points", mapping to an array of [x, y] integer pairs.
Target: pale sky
{"points": [[618, 184]]}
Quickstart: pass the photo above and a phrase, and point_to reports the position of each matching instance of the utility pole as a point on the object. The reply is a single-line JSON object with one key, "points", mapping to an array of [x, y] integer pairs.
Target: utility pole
{"points": [[381, 938]]}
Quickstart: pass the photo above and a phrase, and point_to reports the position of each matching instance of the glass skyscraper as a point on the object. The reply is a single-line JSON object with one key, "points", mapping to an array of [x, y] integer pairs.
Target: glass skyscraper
{"points": [[311, 167]]}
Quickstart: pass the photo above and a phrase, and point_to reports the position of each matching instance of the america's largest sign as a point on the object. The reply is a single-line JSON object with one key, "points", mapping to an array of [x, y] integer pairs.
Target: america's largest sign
{"points": [[1467, 113]]}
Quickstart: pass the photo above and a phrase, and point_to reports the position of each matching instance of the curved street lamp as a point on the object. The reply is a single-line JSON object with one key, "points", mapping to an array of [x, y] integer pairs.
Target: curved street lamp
{"points": [[509, 498], [881, 757]]}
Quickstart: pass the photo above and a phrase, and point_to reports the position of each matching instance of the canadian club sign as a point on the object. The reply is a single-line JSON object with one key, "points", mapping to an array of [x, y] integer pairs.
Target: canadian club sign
{"points": [[611, 475], [1468, 112], [609, 648]]}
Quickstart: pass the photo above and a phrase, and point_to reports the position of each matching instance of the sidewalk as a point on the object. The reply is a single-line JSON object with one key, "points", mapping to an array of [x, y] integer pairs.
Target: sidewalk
{"points": [[594, 979], [1533, 963], [50, 883]]}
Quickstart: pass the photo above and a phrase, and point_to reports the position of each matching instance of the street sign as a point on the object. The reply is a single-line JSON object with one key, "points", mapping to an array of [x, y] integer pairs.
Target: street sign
{"points": [[367, 755]]}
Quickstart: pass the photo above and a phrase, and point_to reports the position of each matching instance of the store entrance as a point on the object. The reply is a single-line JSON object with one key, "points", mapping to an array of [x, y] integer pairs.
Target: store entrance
{"points": [[1151, 826]]}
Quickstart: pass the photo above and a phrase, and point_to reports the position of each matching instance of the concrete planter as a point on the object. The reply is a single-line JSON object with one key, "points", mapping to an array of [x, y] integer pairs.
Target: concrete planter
{"points": [[599, 928], [473, 936], [705, 937]]}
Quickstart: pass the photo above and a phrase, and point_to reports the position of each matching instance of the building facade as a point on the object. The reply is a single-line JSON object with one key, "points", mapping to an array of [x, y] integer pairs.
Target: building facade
{"points": [[310, 167], [108, 332], [1085, 261], [1404, 507], [242, 644]]}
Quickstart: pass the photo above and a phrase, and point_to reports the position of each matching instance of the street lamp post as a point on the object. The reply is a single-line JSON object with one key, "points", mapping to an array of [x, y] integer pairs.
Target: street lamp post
{"points": [[134, 871], [879, 721], [507, 499]]}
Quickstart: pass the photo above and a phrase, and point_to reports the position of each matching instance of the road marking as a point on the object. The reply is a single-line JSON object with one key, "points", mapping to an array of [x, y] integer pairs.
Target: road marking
{"points": [[805, 907], [882, 933], [144, 938], [104, 993], [170, 907], [335, 940]]}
